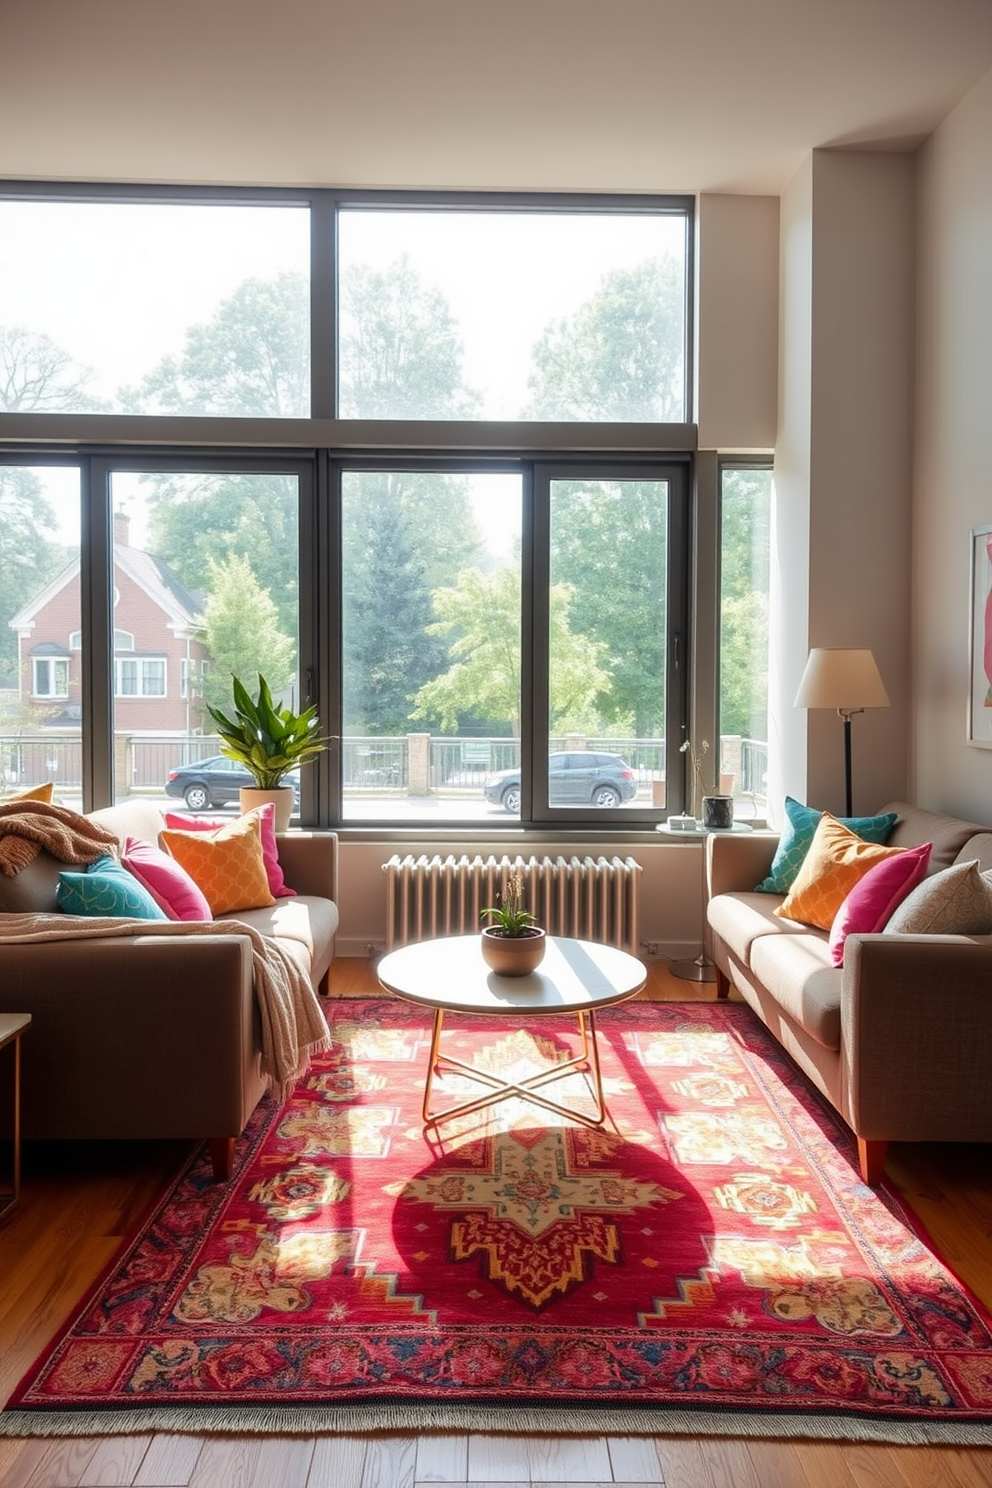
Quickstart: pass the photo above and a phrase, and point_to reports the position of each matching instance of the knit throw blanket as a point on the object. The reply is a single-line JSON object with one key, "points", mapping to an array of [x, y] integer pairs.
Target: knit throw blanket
{"points": [[293, 1025], [28, 826]]}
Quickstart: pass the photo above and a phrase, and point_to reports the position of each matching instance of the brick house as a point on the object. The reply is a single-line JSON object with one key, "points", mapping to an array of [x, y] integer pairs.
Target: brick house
{"points": [[156, 645]]}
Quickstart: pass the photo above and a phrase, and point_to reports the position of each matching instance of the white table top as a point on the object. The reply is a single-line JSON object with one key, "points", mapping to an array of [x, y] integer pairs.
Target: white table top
{"points": [[11, 1024], [575, 976]]}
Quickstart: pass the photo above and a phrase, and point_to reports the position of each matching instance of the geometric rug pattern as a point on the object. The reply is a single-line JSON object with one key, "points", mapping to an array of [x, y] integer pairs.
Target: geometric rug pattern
{"points": [[711, 1251]]}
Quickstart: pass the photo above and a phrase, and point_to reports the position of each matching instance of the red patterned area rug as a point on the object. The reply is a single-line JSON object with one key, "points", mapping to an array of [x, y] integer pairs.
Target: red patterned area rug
{"points": [[708, 1262]]}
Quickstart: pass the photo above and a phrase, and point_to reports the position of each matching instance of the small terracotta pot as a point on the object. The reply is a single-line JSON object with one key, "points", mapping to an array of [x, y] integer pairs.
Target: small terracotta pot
{"points": [[512, 955], [283, 795]]}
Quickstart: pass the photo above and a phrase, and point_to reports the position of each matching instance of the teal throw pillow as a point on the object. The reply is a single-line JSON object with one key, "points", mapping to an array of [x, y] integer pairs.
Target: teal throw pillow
{"points": [[106, 889], [797, 834]]}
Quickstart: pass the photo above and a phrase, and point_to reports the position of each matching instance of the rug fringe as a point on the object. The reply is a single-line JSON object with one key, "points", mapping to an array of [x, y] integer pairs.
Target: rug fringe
{"points": [[349, 1420]]}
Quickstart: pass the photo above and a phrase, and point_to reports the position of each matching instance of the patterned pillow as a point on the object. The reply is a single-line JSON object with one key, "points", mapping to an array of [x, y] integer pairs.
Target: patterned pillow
{"points": [[166, 880], [956, 901], [106, 890], [270, 849], [227, 865], [875, 898], [836, 860], [797, 834]]}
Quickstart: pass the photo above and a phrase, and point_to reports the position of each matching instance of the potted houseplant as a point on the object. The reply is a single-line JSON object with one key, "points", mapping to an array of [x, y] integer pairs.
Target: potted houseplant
{"points": [[514, 943], [270, 742]]}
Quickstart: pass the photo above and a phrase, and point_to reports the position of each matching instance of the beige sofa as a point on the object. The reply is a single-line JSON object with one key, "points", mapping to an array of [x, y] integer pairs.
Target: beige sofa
{"points": [[147, 1038], [899, 1039]]}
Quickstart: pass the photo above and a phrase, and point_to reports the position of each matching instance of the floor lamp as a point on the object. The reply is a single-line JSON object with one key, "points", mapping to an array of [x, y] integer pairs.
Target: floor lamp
{"points": [[848, 681]]}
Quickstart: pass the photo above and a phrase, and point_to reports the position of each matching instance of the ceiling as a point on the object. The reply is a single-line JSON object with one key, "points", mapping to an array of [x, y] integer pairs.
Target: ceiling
{"points": [[553, 95]]}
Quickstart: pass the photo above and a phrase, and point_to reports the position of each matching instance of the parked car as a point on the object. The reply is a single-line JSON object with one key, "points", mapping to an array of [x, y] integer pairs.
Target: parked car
{"points": [[579, 777], [216, 781]]}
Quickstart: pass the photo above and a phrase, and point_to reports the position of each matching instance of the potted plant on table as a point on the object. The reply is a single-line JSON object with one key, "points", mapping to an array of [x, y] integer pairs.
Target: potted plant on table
{"points": [[513, 944], [270, 742]]}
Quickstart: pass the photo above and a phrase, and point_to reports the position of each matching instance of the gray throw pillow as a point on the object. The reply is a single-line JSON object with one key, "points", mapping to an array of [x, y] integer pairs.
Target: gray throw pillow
{"points": [[956, 901]]}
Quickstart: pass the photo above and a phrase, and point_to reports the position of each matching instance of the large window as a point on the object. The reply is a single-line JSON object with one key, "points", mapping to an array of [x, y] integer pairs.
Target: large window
{"points": [[470, 547], [745, 507]]}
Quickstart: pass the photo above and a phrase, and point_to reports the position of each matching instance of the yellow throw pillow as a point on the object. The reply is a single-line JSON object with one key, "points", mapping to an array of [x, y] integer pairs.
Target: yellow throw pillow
{"points": [[36, 793], [227, 865], [837, 859]]}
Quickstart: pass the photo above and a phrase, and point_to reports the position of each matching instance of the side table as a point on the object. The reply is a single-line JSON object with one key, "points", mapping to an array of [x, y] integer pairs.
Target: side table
{"points": [[700, 968], [12, 1025]]}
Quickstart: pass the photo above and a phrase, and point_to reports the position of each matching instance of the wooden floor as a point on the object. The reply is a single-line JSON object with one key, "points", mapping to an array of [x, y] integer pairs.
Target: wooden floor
{"points": [[70, 1223]]}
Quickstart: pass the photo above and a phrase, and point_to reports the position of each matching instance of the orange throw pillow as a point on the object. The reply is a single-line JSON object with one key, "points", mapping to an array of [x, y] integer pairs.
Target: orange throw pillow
{"points": [[227, 865], [837, 859], [36, 793]]}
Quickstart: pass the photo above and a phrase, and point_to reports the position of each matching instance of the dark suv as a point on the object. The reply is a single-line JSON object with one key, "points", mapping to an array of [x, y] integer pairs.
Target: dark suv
{"points": [[576, 777]]}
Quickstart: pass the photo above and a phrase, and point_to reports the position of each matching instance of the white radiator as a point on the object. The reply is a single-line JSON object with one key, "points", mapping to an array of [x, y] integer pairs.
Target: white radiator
{"points": [[587, 898]]}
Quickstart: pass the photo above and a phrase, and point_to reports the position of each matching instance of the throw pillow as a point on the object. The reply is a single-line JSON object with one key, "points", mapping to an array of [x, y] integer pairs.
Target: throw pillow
{"points": [[270, 849], [227, 865], [836, 860], [166, 880], [874, 898], [797, 834], [107, 890], [36, 793], [956, 901]]}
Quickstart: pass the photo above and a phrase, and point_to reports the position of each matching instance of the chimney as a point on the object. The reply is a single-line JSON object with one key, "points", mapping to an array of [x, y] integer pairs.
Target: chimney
{"points": [[122, 528]]}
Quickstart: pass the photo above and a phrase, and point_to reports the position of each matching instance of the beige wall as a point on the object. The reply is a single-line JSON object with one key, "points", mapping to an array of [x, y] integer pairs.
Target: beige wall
{"points": [[953, 483], [844, 463]]}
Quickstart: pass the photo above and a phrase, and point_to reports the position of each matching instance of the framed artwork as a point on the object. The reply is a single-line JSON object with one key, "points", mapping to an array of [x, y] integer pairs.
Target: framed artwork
{"points": [[980, 672]]}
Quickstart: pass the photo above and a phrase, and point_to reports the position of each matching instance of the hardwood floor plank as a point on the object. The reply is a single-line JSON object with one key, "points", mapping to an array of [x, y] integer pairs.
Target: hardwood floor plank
{"points": [[824, 1464], [282, 1462], [115, 1461], [389, 1462], [51, 1464], [683, 1462], [538, 1459], [169, 1462], [441, 1459], [729, 1463], [226, 1462], [777, 1464], [634, 1459], [338, 1462]]}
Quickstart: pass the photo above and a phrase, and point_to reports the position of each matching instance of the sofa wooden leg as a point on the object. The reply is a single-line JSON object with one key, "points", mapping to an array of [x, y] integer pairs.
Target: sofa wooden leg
{"points": [[324, 985], [722, 983], [871, 1160], [221, 1151]]}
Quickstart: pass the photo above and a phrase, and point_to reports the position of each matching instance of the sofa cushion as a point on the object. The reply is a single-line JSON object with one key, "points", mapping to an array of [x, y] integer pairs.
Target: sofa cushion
{"points": [[977, 849], [106, 890], [875, 898], [304, 921], [957, 901], [32, 890], [738, 919], [797, 971], [836, 860], [948, 834], [227, 865], [797, 836]]}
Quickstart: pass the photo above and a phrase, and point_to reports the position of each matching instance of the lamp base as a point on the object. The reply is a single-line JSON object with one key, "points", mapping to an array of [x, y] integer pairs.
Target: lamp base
{"points": [[700, 969]]}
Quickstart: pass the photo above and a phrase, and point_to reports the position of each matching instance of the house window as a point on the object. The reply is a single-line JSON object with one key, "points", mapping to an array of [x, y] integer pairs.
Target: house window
{"points": [[51, 676], [140, 677]]}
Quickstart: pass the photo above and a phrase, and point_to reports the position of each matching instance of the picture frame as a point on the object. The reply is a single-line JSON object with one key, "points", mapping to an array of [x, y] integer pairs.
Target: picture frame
{"points": [[980, 648]]}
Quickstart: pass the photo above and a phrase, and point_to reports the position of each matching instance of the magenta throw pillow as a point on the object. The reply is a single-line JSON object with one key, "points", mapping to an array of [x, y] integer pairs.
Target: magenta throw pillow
{"points": [[876, 896], [270, 852], [167, 881]]}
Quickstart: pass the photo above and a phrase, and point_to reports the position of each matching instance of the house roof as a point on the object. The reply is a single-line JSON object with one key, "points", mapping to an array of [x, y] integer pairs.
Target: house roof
{"points": [[181, 605]]}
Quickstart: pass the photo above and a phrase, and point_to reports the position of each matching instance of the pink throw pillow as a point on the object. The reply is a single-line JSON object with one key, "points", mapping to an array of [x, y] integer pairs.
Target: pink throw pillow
{"points": [[270, 852], [876, 896], [167, 881]]}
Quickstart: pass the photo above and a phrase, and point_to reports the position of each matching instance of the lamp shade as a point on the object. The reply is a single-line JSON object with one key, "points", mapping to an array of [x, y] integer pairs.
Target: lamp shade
{"points": [[847, 680]]}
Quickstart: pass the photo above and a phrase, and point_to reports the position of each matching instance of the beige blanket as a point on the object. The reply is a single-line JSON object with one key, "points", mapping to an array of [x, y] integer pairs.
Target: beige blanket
{"points": [[28, 826], [293, 1025]]}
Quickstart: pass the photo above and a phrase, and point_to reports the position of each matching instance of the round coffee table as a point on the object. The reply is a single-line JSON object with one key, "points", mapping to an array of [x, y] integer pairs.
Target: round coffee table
{"points": [[576, 977]]}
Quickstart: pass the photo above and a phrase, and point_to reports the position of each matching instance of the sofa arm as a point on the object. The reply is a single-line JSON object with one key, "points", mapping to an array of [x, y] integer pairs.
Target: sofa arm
{"points": [[737, 862], [916, 1029], [309, 861]]}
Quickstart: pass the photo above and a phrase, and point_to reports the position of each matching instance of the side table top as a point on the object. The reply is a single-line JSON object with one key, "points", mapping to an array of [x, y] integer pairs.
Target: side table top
{"points": [[449, 973], [11, 1024]]}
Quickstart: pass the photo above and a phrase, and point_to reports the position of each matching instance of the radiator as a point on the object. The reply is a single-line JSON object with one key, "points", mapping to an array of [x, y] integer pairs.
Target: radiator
{"points": [[587, 898]]}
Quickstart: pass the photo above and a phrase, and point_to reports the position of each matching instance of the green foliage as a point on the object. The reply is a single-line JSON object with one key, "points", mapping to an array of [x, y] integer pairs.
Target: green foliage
{"points": [[745, 558], [37, 376], [240, 630], [508, 913], [267, 740], [620, 356]]}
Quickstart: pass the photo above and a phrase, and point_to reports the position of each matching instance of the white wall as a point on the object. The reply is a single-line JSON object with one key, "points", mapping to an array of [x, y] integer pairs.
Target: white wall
{"points": [[953, 485]]}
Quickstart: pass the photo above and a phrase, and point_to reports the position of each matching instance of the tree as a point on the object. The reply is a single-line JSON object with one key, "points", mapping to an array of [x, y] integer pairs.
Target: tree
{"points": [[37, 376], [252, 360], [620, 357], [481, 615], [240, 631], [29, 557], [400, 352], [745, 557]]}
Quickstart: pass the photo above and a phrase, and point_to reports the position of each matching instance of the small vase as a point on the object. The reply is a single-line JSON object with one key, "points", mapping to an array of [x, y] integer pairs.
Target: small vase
{"points": [[284, 797], [512, 955]]}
